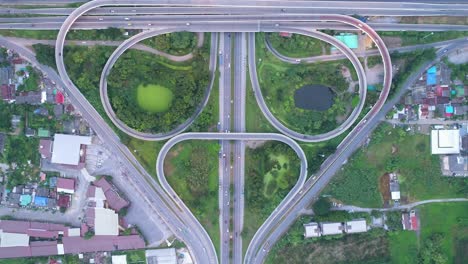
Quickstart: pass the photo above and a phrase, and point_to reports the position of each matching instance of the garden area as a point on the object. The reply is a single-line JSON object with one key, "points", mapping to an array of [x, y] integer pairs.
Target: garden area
{"points": [[280, 81], [191, 168], [177, 43], [394, 150], [271, 171]]}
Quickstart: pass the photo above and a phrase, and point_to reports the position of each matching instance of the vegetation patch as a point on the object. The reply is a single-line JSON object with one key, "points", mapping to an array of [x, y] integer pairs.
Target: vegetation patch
{"points": [[271, 171], [298, 46], [177, 43], [192, 170], [154, 98], [419, 173], [279, 82], [423, 37]]}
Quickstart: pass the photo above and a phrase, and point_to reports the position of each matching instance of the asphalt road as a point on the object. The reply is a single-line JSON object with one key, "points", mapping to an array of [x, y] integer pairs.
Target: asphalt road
{"points": [[314, 185], [310, 7], [366, 53], [240, 68], [225, 152]]}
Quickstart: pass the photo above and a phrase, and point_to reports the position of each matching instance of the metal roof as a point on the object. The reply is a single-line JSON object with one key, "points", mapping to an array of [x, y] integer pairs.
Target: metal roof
{"points": [[66, 148]]}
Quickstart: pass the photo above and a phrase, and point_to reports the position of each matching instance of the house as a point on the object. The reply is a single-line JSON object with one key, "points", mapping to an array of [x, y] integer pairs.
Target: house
{"points": [[331, 228], [59, 98], [445, 141], [7, 92], [69, 149], [285, 34], [356, 226], [29, 132], [431, 76], [41, 191], [32, 98], [122, 259], [460, 109], [65, 185], [63, 201], [15, 120], [349, 39], [114, 200], [410, 220], [58, 110], [40, 201], [25, 199], [311, 230]]}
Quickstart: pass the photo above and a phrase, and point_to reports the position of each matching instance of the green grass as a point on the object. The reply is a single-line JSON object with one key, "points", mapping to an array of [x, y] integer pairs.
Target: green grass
{"points": [[419, 171], [154, 98], [146, 152], [255, 121], [403, 247], [192, 170], [449, 219], [298, 46], [34, 260]]}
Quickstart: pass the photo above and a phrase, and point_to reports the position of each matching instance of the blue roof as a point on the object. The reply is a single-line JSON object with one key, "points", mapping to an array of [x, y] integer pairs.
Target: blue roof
{"points": [[431, 78], [53, 182], [40, 201], [449, 109], [432, 69]]}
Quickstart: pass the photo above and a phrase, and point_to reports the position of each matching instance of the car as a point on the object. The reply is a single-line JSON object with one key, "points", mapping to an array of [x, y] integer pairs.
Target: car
{"points": [[276, 25], [101, 19], [149, 24], [229, 65], [445, 51], [298, 60], [127, 18], [187, 24], [228, 203], [112, 11]]}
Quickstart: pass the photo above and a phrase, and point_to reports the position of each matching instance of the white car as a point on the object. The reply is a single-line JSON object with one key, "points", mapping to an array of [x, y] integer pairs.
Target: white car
{"points": [[127, 18]]}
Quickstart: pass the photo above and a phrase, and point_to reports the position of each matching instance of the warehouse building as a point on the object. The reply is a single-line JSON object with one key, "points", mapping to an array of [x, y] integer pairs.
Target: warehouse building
{"points": [[445, 141], [69, 149]]}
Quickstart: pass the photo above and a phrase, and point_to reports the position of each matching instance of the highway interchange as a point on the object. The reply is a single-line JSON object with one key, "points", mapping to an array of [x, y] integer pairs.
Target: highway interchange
{"points": [[162, 199]]}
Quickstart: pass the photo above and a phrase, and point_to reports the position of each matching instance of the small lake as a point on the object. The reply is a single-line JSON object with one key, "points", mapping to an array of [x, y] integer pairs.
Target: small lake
{"points": [[313, 97]]}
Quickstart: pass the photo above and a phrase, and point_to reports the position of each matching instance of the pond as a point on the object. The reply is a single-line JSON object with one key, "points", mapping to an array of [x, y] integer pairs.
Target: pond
{"points": [[313, 97]]}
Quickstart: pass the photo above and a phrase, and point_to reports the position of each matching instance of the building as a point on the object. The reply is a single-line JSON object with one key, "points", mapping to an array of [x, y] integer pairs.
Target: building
{"points": [[119, 259], [58, 110], [410, 221], [431, 76], [331, 228], [7, 92], [13, 240], [114, 200], [32, 98], [63, 201], [445, 141], [65, 185], [449, 110], [45, 148], [311, 230], [455, 165], [394, 187], [106, 222], [69, 149], [161, 256], [15, 121], [356, 226]]}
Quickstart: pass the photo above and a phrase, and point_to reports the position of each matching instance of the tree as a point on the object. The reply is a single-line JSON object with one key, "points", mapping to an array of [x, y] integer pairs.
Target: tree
{"points": [[322, 206]]}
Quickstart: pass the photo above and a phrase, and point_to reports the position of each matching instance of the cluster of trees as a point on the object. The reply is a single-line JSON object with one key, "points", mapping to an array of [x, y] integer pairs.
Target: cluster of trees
{"points": [[412, 61], [23, 152], [459, 72], [297, 45], [45, 54], [5, 116], [135, 68], [98, 34], [432, 251], [197, 179], [260, 162], [30, 83], [177, 43]]}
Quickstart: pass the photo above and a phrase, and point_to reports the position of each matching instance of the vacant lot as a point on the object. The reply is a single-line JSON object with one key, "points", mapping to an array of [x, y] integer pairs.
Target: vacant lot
{"points": [[192, 170], [154, 98], [393, 150]]}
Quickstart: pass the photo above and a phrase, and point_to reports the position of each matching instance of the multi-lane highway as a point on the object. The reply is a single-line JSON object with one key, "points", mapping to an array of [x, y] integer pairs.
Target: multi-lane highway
{"points": [[240, 68], [225, 152]]}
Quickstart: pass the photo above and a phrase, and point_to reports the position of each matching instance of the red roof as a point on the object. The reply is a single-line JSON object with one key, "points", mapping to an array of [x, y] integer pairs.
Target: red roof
{"points": [[7, 91], [66, 183], [75, 245], [45, 148], [103, 183], [59, 98], [17, 61], [114, 200], [414, 223], [285, 34], [63, 201]]}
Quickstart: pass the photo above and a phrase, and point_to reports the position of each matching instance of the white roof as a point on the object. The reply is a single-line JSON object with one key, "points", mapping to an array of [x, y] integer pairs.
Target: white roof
{"points": [[74, 231], [60, 249], [66, 148], [106, 222], [312, 230], [162, 256], [13, 240], [119, 259], [395, 195], [445, 141], [356, 226], [331, 228]]}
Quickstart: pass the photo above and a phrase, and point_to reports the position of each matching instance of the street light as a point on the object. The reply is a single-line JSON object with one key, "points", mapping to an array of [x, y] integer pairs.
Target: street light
{"points": [[430, 34]]}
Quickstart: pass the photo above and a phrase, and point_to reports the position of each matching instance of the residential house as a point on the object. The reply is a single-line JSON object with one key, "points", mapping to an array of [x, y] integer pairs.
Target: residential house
{"points": [[65, 185], [7, 92], [356, 226], [312, 230]]}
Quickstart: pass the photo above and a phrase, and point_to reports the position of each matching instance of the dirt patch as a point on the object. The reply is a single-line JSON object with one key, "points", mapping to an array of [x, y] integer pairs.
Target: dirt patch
{"points": [[394, 149], [375, 74], [453, 20], [255, 144], [168, 167], [392, 42], [384, 188]]}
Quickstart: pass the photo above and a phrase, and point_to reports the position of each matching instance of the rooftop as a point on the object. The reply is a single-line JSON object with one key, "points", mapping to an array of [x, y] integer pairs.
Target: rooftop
{"points": [[356, 226], [67, 148], [445, 141]]}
